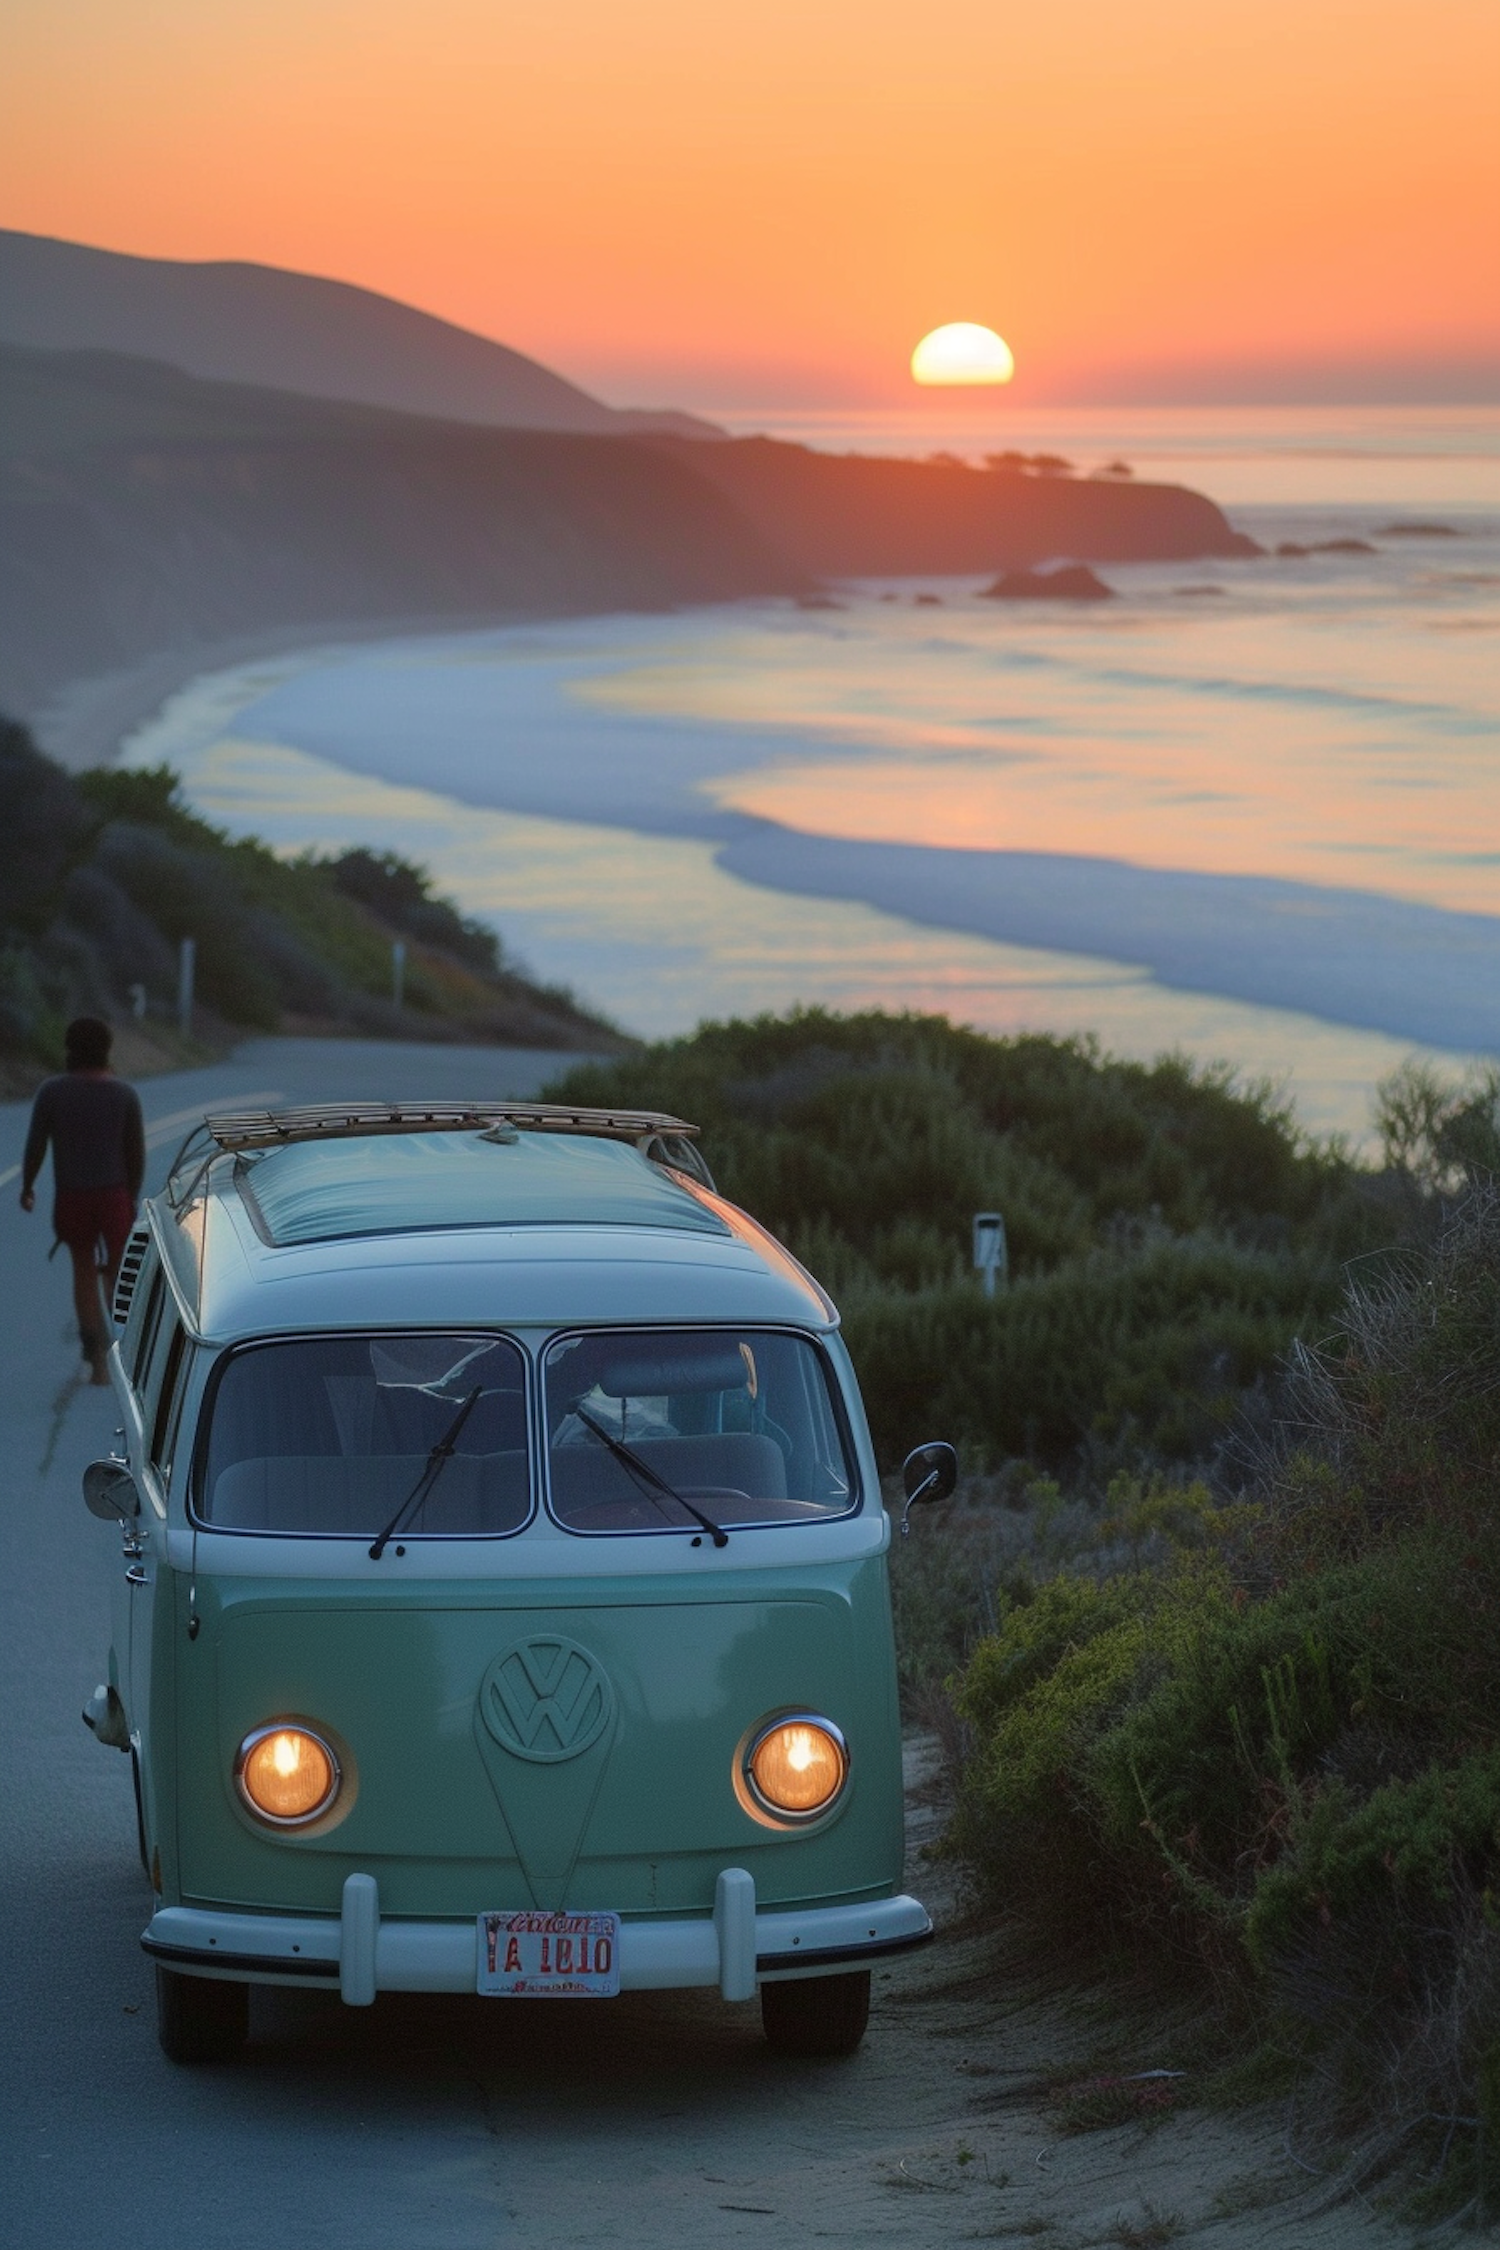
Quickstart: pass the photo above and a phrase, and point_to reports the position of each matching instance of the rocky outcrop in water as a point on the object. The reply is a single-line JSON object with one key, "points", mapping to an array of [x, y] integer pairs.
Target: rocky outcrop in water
{"points": [[1074, 582]]}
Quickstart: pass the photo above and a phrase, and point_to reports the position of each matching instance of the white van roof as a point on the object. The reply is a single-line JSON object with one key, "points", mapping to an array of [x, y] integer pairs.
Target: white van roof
{"points": [[463, 1214]]}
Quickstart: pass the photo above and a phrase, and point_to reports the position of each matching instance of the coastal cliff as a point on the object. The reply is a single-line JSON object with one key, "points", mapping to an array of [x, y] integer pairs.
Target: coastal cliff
{"points": [[142, 510], [845, 515], [147, 515]]}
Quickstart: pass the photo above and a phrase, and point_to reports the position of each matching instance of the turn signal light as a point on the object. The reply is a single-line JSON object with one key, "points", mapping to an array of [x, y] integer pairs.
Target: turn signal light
{"points": [[796, 1766], [287, 1775]]}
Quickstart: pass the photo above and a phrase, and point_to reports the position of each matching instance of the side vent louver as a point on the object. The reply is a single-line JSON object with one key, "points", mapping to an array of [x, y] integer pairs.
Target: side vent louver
{"points": [[130, 1273]]}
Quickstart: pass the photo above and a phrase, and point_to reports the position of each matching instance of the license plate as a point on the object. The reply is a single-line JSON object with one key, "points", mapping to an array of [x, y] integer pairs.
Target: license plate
{"points": [[531, 1956]]}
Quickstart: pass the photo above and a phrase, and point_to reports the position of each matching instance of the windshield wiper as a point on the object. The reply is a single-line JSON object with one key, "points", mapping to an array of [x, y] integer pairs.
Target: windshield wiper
{"points": [[640, 1468], [437, 1461]]}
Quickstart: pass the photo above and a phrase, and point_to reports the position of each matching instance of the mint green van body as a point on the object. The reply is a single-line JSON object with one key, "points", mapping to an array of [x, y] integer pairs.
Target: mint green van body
{"points": [[493, 1462]]}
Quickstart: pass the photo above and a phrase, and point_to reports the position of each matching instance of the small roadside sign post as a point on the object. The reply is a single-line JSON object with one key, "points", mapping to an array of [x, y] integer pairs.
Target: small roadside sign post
{"points": [[398, 970], [187, 964], [991, 1256]]}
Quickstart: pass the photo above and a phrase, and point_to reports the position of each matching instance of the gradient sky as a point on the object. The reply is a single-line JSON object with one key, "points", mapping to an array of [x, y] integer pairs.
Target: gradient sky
{"points": [[722, 203]]}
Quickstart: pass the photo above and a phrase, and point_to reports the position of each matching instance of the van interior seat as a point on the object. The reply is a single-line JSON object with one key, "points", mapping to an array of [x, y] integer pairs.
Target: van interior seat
{"points": [[584, 1471], [477, 1494]]}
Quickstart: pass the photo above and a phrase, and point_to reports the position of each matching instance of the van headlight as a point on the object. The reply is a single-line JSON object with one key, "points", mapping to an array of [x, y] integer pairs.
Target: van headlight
{"points": [[286, 1774], [792, 1768]]}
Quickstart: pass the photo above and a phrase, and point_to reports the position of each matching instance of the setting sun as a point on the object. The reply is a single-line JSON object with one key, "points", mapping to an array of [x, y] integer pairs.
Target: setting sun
{"points": [[963, 352]]}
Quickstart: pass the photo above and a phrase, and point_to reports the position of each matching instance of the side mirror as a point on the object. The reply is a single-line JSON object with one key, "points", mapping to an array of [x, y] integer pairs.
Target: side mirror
{"points": [[109, 1492], [928, 1473]]}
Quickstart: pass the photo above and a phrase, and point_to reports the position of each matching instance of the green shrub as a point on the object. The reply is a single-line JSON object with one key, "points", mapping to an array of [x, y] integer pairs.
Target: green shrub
{"points": [[1279, 1754], [1440, 1132], [1160, 1345], [1403, 1852], [1199, 1737], [1042, 1696]]}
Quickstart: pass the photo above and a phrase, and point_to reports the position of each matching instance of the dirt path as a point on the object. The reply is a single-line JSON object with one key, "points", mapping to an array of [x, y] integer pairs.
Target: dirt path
{"points": [[940, 2131], [970, 2030]]}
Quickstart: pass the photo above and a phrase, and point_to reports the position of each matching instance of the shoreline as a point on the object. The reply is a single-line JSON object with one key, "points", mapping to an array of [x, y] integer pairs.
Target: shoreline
{"points": [[1347, 956], [86, 722], [1399, 970]]}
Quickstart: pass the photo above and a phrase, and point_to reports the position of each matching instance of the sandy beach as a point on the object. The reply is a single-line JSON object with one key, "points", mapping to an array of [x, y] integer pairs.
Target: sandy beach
{"points": [[85, 723]]}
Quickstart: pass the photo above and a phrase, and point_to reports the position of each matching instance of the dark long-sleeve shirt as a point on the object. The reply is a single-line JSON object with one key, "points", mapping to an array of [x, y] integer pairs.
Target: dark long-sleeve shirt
{"points": [[93, 1122]]}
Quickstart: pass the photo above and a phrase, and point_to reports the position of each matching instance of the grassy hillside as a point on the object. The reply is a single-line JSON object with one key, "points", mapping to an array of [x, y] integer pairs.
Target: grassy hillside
{"points": [[103, 874]]}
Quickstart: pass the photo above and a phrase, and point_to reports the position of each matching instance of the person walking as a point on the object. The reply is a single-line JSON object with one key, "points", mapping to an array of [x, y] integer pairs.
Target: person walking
{"points": [[92, 1121]]}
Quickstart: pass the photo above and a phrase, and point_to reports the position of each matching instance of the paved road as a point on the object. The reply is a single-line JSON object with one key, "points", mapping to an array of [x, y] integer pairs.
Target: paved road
{"points": [[335, 2134]]}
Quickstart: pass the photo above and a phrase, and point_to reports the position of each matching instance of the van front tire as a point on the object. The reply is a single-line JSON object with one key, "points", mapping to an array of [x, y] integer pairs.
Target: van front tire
{"points": [[200, 2019], [816, 2016]]}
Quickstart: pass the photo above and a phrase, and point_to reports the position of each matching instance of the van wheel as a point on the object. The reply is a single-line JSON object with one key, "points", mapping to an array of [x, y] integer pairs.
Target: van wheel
{"points": [[200, 2019], [816, 2015]]}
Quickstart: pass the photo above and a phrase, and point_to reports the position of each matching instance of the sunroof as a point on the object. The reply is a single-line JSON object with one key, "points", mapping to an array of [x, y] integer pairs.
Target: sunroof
{"points": [[405, 1183]]}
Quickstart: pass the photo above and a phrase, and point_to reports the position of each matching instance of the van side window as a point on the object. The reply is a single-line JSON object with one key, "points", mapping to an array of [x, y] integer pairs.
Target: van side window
{"points": [[169, 1402], [155, 1354], [145, 1312]]}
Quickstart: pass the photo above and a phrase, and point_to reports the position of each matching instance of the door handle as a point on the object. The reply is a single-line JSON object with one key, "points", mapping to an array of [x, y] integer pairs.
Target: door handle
{"points": [[136, 1576]]}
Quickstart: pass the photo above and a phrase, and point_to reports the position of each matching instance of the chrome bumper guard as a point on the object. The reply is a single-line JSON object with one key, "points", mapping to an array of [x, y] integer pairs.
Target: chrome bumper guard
{"points": [[363, 1953]]}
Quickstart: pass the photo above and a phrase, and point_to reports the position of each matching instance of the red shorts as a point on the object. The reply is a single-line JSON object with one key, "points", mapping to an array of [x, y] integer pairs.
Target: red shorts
{"points": [[85, 1217]]}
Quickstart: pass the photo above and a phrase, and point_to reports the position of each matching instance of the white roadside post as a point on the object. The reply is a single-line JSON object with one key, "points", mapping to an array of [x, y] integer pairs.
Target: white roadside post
{"points": [[187, 962], [991, 1257]]}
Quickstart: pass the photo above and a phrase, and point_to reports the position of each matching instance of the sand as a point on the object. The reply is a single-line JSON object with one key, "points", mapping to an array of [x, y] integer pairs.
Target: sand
{"points": [[85, 723]]}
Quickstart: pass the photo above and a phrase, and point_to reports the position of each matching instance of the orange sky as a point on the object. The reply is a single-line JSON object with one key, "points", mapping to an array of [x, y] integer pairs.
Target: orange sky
{"points": [[721, 203]]}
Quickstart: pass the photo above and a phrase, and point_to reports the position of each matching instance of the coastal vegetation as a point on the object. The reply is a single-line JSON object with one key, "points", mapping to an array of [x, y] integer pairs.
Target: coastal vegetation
{"points": [[1248, 1727], [1212, 1629], [102, 875], [1170, 1231]]}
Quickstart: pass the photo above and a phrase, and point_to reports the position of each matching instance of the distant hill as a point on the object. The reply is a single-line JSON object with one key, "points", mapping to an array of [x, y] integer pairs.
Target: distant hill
{"points": [[294, 331], [143, 511]]}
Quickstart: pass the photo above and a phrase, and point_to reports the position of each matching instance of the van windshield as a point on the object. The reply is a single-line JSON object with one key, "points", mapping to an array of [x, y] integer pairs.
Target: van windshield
{"points": [[326, 1436], [741, 1423]]}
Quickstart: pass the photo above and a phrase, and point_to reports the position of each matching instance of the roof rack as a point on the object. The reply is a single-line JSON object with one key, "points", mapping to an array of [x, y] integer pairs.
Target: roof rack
{"points": [[665, 1139]]}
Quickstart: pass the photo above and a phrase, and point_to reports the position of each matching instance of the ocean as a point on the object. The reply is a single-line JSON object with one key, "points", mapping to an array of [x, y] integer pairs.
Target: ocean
{"points": [[1248, 811]]}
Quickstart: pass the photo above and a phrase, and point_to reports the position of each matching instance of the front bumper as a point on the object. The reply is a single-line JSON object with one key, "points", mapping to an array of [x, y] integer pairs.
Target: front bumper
{"points": [[363, 1954]]}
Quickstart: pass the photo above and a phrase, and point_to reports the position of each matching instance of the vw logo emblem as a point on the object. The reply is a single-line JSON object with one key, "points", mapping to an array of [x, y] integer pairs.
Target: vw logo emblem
{"points": [[546, 1699]]}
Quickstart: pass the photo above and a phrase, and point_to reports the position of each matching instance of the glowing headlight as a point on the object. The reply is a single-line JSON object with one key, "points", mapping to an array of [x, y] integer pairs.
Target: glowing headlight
{"points": [[795, 1766], [286, 1775]]}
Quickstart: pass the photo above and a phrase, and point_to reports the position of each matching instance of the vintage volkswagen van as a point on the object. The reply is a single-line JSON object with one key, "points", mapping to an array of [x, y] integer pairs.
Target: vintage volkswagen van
{"points": [[503, 1604]]}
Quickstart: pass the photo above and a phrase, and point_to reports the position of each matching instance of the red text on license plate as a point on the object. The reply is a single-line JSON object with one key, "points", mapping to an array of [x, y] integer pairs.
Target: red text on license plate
{"points": [[530, 1956]]}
